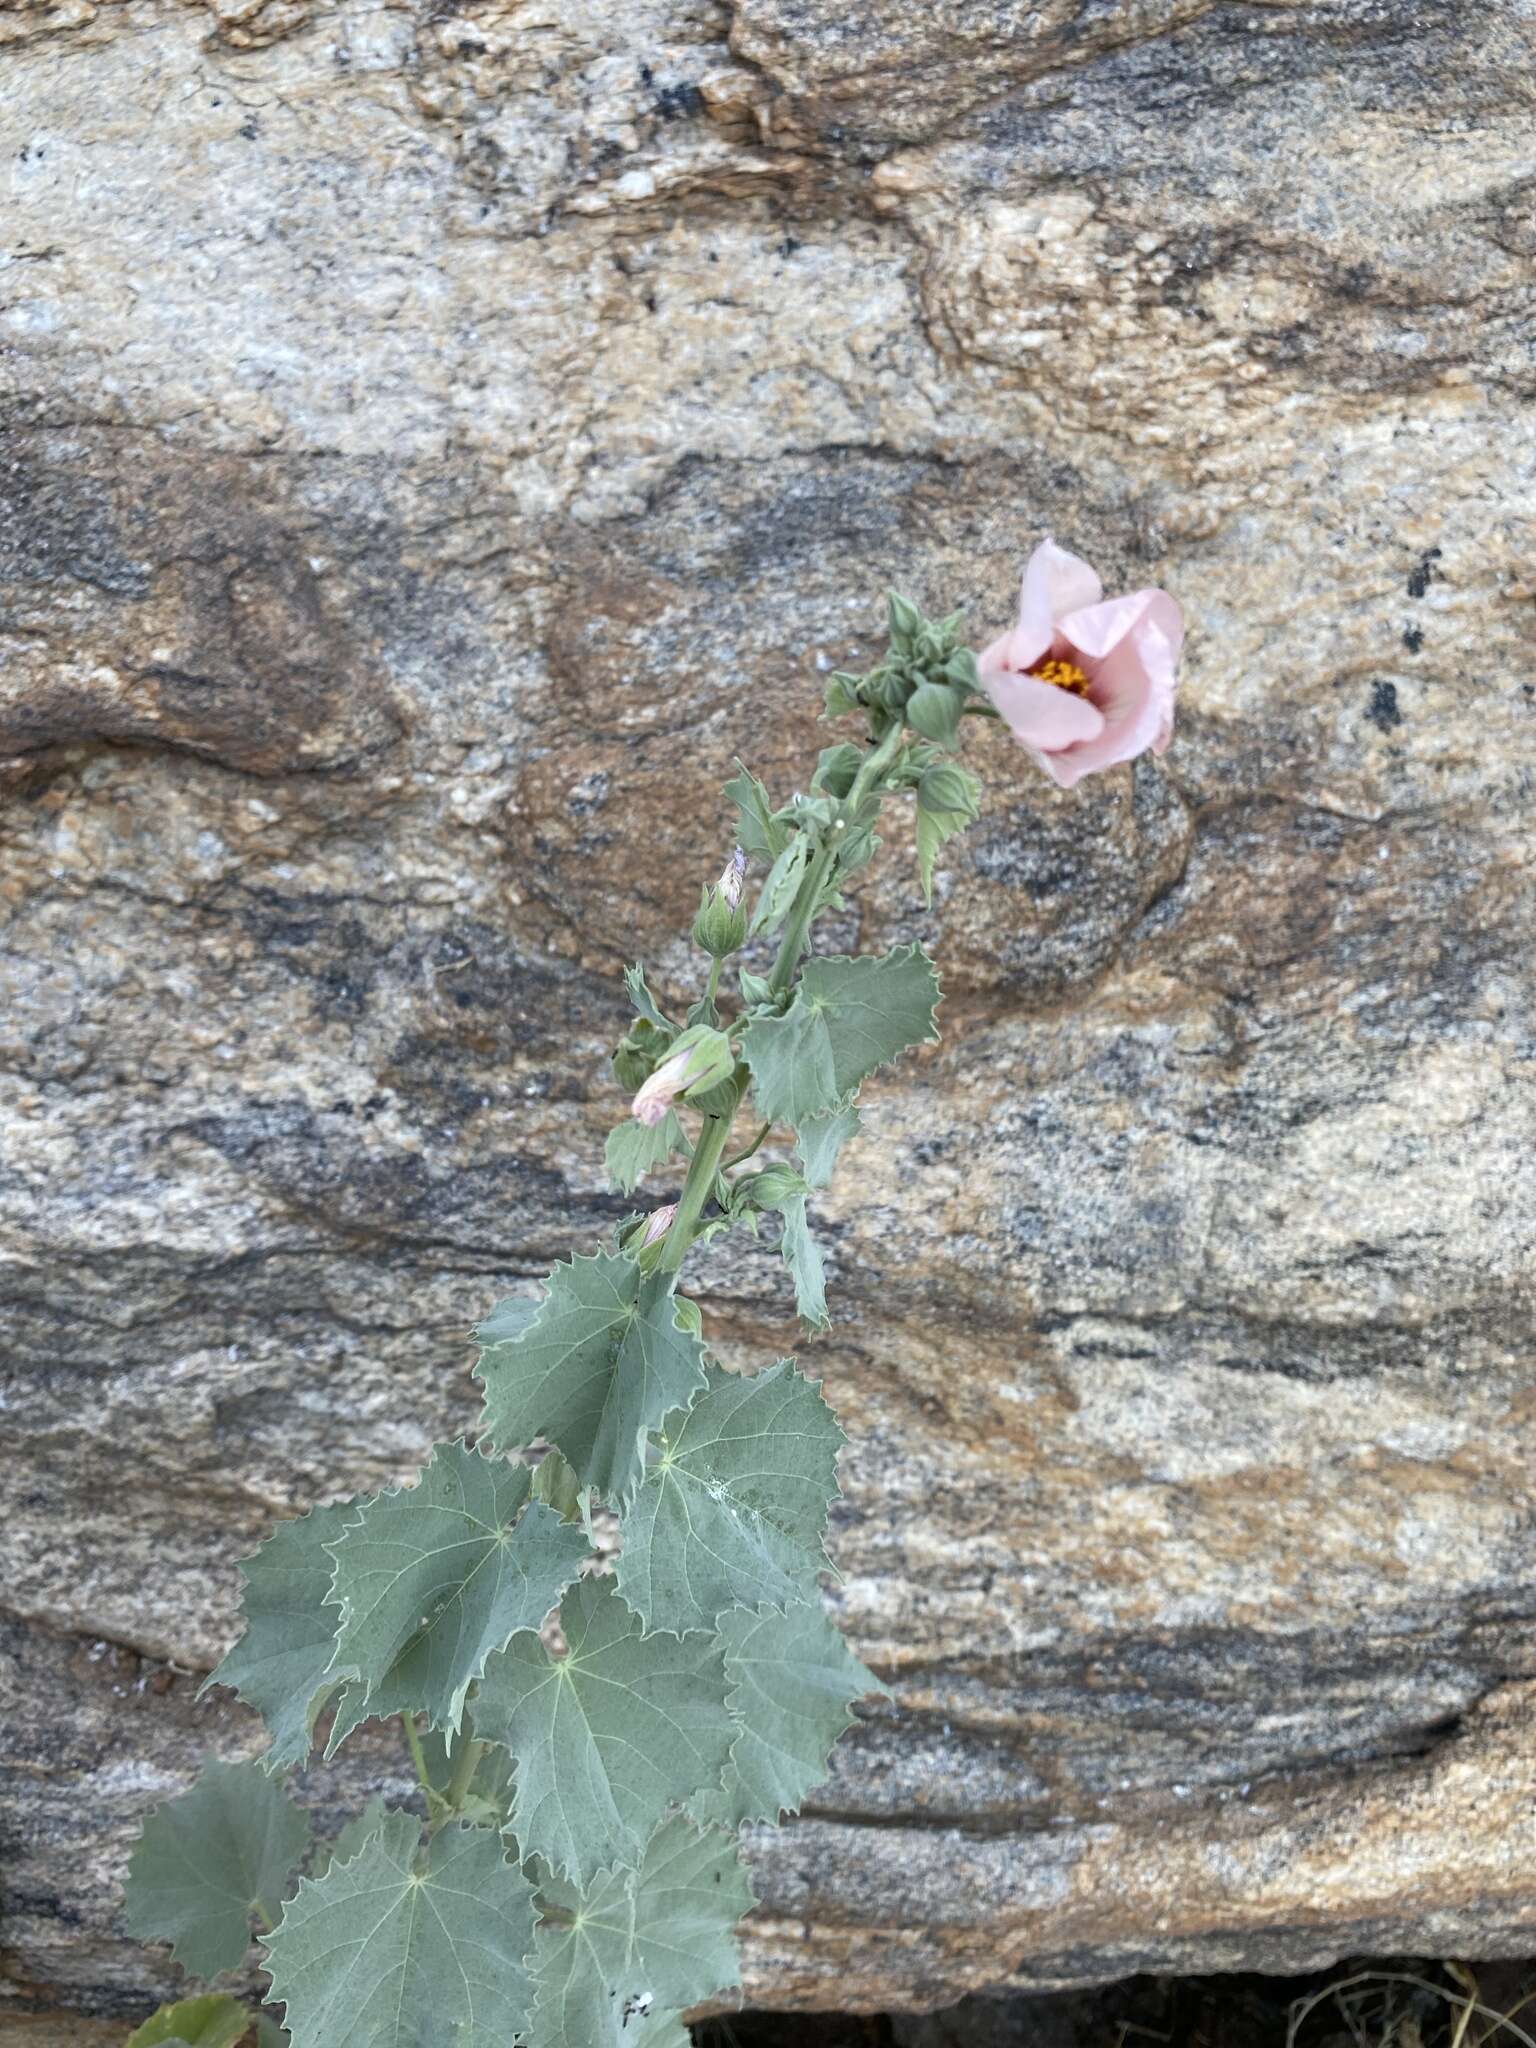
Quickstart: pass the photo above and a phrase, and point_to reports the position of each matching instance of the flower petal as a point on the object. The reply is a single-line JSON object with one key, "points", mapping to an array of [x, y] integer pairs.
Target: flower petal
{"points": [[1055, 583], [1132, 683], [1045, 718], [1096, 628]]}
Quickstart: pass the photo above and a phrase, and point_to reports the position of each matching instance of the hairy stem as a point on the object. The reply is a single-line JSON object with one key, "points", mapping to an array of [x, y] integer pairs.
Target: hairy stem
{"points": [[702, 1169], [746, 1151], [467, 1753], [418, 1757]]}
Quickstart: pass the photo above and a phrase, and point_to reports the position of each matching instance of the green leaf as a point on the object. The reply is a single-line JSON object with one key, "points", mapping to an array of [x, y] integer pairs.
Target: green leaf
{"points": [[600, 1365], [634, 1149], [933, 829], [281, 1666], [802, 1255], [351, 1838], [641, 1945], [934, 710], [206, 1861], [782, 885], [848, 1018], [269, 2034], [819, 1139], [642, 999], [793, 1679], [434, 1577], [607, 1737], [213, 2021], [379, 1953], [734, 1510], [758, 831]]}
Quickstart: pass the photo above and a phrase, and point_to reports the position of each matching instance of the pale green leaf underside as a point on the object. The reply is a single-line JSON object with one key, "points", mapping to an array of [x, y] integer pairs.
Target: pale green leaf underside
{"points": [[207, 1859], [281, 1666], [802, 1255], [793, 1679], [215, 2020], [432, 1579], [641, 1945], [607, 1737], [733, 1512], [848, 1018], [599, 1366], [819, 1139], [934, 828], [634, 1149], [379, 1953]]}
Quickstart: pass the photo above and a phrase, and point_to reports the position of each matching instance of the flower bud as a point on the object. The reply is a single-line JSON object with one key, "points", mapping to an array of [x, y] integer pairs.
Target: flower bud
{"points": [[721, 924], [698, 1060], [948, 787], [733, 879], [657, 1224], [775, 1184]]}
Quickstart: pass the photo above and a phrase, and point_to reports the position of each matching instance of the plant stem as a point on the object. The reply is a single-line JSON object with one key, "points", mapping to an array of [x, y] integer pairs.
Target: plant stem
{"points": [[715, 966], [746, 1152], [466, 1755], [418, 1758], [808, 899], [702, 1169]]}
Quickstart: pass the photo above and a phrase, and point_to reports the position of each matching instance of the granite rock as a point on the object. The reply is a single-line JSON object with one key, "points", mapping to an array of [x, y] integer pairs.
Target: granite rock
{"points": [[436, 442]]}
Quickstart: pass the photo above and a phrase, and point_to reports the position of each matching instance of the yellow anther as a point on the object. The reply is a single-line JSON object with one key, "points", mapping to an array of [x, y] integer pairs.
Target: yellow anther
{"points": [[1066, 675]]}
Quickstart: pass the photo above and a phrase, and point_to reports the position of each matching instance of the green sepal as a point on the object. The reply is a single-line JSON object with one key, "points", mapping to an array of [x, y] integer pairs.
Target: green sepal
{"points": [[208, 1860], [213, 2020], [734, 1509], [600, 1364], [283, 1663], [842, 695], [756, 989], [837, 767], [848, 1018], [905, 621], [638, 1946], [635, 1149], [793, 1683], [432, 1578], [396, 1950], [934, 710], [607, 1737]]}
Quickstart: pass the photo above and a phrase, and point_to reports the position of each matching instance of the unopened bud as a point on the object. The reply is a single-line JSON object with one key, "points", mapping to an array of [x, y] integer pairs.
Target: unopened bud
{"points": [[657, 1224], [948, 787], [721, 924], [699, 1059], [776, 1184], [734, 880]]}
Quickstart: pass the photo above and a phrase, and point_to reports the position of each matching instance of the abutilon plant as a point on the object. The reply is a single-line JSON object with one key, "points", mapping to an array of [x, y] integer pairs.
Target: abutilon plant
{"points": [[590, 1735]]}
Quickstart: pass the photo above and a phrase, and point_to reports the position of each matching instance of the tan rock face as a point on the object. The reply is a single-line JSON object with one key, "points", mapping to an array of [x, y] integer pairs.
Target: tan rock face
{"points": [[435, 446]]}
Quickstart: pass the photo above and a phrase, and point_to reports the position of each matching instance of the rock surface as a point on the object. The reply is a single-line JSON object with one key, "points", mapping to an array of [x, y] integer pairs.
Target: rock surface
{"points": [[436, 441]]}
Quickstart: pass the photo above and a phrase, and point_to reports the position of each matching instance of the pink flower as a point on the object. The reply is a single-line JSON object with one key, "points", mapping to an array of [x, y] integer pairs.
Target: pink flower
{"points": [[1084, 683], [700, 1059]]}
